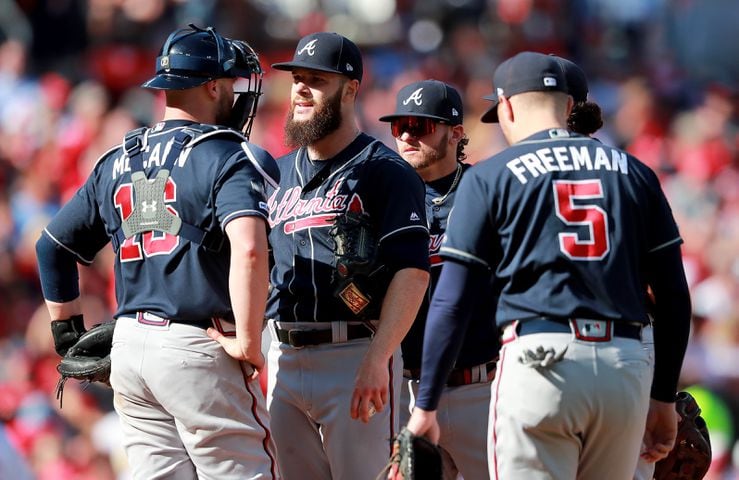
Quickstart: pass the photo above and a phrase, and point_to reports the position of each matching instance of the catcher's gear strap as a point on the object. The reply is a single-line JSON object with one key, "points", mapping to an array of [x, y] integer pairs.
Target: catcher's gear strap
{"points": [[150, 193]]}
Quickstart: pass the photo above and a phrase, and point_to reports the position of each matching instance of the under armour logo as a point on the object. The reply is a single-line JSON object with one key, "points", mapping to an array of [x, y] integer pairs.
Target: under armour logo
{"points": [[414, 217], [146, 206], [415, 96], [309, 47]]}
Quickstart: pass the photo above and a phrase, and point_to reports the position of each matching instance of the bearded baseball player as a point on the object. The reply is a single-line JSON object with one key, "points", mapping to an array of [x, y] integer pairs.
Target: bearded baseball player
{"points": [[350, 245], [429, 135], [575, 231], [184, 206]]}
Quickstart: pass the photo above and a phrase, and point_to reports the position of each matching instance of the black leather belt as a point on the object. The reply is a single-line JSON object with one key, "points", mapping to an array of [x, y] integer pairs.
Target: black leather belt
{"points": [[584, 329], [305, 338], [458, 376]]}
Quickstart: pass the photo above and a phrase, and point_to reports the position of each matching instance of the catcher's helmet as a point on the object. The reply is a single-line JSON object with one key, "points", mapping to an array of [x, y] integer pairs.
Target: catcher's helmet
{"points": [[193, 56]]}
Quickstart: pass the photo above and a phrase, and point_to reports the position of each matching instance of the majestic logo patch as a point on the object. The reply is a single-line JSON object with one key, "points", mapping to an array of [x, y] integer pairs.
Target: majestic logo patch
{"points": [[309, 48], [415, 97]]}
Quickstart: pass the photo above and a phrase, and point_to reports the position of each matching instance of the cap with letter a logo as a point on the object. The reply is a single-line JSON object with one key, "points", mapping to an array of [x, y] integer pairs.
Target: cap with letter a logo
{"points": [[327, 52], [525, 72], [430, 99]]}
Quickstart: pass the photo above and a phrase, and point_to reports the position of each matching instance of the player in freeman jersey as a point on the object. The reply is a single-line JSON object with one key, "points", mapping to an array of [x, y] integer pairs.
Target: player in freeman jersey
{"points": [[575, 230], [334, 363], [428, 130], [164, 198], [585, 118]]}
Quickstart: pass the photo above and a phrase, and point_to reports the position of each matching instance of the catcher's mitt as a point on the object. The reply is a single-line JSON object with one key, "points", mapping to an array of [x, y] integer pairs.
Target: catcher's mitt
{"points": [[88, 359], [355, 252], [691, 456], [414, 458]]}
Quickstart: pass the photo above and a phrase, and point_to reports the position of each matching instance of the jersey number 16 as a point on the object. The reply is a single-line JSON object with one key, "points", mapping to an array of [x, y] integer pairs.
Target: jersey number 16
{"points": [[150, 243]]}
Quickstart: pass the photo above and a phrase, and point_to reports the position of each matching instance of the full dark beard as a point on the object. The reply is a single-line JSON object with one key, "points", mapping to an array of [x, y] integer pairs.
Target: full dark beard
{"points": [[327, 119]]}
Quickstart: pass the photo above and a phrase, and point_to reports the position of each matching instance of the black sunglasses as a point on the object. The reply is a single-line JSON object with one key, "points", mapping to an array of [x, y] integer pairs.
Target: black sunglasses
{"points": [[416, 127]]}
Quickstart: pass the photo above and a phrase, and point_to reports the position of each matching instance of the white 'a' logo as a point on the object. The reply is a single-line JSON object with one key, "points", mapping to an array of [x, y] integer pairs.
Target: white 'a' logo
{"points": [[416, 97], [310, 47]]}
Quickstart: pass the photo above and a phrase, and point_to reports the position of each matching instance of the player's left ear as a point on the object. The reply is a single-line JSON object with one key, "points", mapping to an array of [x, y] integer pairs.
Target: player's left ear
{"points": [[351, 88], [457, 133], [505, 109], [212, 88]]}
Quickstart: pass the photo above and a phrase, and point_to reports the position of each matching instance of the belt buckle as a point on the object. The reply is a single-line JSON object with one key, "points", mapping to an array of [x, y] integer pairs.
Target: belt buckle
{"points": [[294, 338], [592, 330]]}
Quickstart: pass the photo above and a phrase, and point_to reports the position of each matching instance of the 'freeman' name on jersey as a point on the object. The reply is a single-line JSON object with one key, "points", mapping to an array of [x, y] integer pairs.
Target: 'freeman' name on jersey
{"points": [[567, 158]]}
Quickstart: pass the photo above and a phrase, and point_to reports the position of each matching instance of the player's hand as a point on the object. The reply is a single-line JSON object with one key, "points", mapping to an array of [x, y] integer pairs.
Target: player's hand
{"points": [[370, 389], [422, 422], [659, 436], [233, 348]]}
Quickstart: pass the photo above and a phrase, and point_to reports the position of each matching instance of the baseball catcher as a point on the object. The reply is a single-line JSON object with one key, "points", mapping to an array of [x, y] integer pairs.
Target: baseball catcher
{"points": [[88, 358], [691, 456]]}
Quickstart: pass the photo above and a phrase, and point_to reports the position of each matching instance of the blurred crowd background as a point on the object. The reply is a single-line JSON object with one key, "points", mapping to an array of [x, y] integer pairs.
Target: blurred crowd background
{"points": [[664, 72]]}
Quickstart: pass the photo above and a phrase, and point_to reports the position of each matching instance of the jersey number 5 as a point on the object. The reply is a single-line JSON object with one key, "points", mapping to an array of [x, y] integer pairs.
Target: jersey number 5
{"points": [[595, 247], [151, 243]]}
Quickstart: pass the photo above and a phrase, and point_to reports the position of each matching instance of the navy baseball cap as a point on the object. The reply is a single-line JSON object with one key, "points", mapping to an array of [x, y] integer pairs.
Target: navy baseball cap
{"points": [[524, 72], [327, 52], [430, 99], [577, 81]]}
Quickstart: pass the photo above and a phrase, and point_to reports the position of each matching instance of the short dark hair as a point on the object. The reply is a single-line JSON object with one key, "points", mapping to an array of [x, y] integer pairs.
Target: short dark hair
{"points": [[585, 118]]}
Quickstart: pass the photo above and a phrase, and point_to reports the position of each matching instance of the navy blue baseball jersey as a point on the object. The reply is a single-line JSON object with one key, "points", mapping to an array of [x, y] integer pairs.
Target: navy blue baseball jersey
{"points": [[564, 221], [365, 177], [157, 272], [481, 340]]}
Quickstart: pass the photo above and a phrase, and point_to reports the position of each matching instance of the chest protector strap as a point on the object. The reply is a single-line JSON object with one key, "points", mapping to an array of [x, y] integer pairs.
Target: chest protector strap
{"points": [[150, 212]]}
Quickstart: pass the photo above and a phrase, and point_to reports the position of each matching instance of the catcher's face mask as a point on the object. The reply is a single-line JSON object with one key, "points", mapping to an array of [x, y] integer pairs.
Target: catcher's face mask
{"points": [[248, 86], [193, 56]]}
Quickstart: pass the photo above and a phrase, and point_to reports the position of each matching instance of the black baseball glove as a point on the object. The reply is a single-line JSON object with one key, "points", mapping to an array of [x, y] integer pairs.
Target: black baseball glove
{"points": [[88, 359], [356, 263], [414, 457], [691, 456]]}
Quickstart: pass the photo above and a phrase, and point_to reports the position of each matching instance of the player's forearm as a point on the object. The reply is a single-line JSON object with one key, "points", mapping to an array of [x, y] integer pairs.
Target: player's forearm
{"points": [[399, 309], [60, 311], [248, 282]]}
